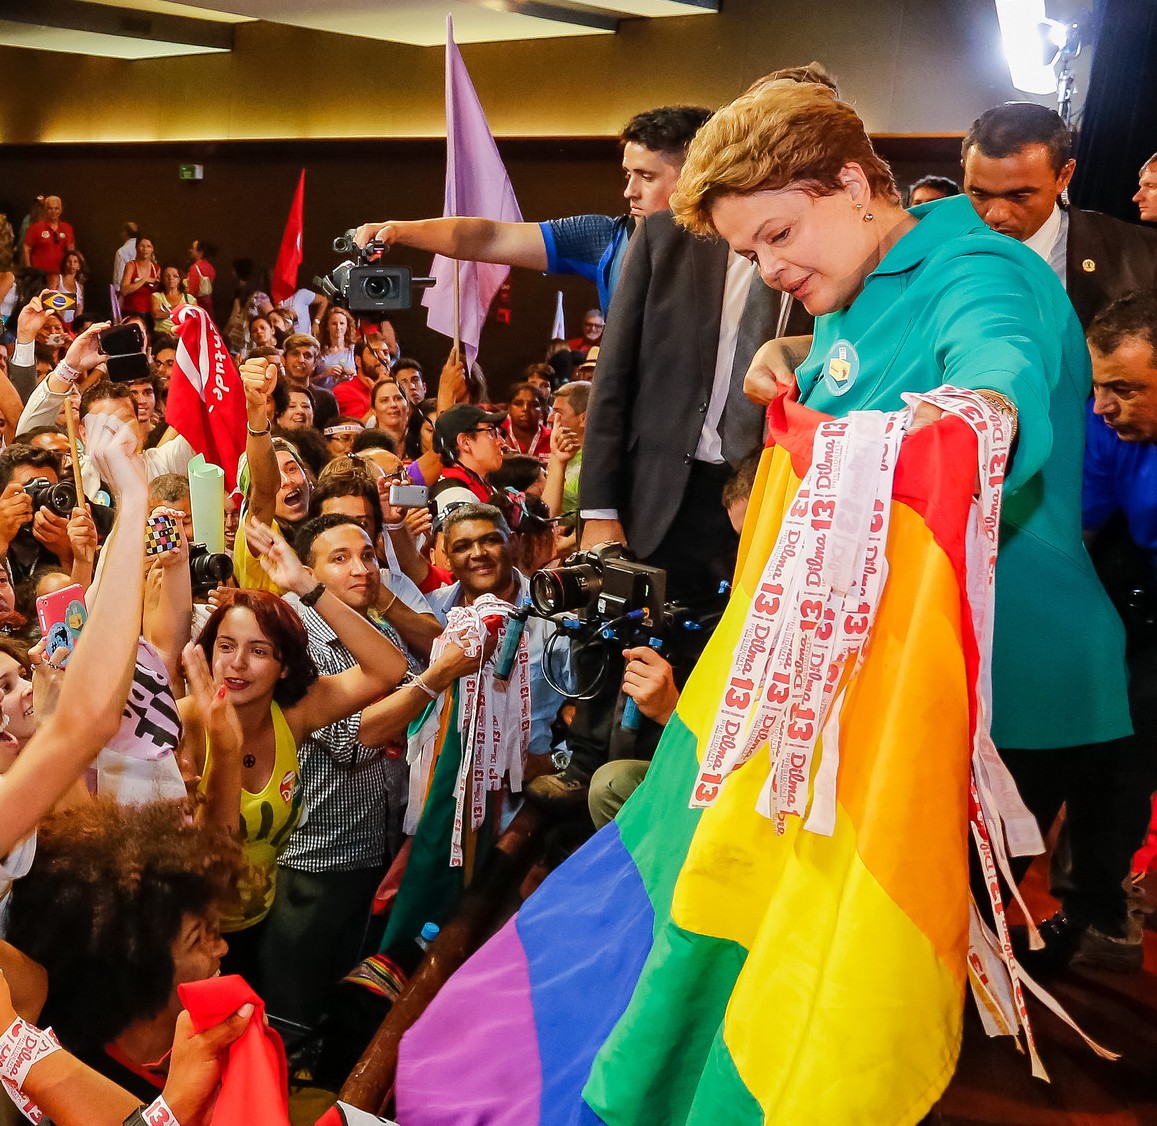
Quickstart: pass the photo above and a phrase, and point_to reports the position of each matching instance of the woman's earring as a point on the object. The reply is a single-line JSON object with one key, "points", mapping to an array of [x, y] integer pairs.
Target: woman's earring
{"points": [[858, 206], [869, 217]]}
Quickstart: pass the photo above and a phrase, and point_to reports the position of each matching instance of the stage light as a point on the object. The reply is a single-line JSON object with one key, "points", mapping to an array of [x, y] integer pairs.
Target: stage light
{"points": [[1025, 30]]}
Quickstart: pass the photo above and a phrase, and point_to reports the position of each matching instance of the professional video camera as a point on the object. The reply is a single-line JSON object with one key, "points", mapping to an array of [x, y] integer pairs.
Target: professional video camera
{"points": [[366, 287], [602, 598]]}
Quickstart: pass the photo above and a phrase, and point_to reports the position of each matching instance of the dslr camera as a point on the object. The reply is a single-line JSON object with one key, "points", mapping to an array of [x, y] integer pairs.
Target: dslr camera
{"points": [[59, 497], [604, 584], [208, 568], [367, 287]]}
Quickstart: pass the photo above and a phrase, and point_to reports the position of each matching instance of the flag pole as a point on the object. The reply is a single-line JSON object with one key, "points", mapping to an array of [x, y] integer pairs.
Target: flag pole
{"points": [[70, 423], [457, 311]]}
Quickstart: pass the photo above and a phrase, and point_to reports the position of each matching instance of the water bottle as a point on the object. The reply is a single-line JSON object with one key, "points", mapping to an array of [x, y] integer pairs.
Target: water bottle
{"points": [[508, 647], [426, 935]]}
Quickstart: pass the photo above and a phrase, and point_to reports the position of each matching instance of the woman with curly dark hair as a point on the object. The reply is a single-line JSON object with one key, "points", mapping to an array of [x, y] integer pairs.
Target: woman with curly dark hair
{"points": [[252, 659], [120, 907]]}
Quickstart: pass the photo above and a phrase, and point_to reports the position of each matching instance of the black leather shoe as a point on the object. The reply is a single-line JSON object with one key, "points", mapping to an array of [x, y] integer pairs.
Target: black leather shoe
{"points": [[1061, 938], [556, 793]]}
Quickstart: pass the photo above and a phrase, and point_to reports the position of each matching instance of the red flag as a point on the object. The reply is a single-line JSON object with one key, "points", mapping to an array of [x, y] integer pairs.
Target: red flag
{"points": [[206, 399], [289, 256]]}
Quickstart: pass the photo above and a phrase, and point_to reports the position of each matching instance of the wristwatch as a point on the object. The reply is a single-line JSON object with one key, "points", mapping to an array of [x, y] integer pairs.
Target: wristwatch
{"points": [[311, 598]]}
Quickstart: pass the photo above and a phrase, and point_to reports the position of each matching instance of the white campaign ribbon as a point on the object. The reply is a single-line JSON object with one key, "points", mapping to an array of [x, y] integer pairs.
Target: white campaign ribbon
{"points": [[493, 716], [22, 1046], [809, 621], [804, 639]]}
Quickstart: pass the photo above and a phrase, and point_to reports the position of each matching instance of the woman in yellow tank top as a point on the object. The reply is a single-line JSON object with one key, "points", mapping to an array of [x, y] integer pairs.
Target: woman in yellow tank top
{"points": [[253, 657]]}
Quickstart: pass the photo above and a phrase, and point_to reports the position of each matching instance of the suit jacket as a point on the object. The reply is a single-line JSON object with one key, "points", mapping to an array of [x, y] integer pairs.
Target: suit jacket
{"points": [[654, 377], [1105, 259]]}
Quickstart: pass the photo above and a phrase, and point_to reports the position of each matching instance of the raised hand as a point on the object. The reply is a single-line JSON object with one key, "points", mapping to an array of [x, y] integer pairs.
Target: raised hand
{"points": [[112, 445], [82, 535], [453, 379], [15, 511], [278, 559], [214, 707], [564, 444], [258, 377], [52, 531], [84, 352], [176, 556], [195, 1064], [649, 680], [32, 318]]}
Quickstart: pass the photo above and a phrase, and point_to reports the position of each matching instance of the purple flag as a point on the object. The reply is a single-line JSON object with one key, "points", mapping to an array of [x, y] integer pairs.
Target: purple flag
{"points": [[476, 184]]}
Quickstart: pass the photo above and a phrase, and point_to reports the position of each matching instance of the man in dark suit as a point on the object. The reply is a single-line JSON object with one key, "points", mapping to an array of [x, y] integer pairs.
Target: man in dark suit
{"points": [[1018, 162], [668, 421], [667, 425]]}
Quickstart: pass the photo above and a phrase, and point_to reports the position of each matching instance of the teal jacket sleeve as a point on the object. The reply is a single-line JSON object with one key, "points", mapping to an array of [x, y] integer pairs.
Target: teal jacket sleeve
{"points": [[995, 326]]}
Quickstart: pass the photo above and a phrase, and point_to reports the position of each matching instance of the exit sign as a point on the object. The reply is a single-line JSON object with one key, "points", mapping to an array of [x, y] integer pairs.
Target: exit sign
{"points": [[192, 172]]}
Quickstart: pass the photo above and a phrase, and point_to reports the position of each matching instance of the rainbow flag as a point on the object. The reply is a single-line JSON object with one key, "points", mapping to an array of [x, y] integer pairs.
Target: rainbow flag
{"points": [[696, 966]]}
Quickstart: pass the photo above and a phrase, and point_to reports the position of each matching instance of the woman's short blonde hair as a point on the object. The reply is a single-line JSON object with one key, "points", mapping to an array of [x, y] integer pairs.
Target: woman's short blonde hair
{"points": [[778, 134]]}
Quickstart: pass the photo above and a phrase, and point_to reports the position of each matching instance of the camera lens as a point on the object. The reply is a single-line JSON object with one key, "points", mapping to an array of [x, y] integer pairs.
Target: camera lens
{"points": [[207, 568], [565, 588], [380, 287]]}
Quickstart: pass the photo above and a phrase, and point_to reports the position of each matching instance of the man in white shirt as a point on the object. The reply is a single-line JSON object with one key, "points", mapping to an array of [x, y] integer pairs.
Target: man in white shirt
{"points": [[1018, 163], [126, 252]]}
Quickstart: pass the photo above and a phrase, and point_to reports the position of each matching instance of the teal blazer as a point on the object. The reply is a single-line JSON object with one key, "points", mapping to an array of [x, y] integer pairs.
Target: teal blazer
{"points": [[953, 302]]}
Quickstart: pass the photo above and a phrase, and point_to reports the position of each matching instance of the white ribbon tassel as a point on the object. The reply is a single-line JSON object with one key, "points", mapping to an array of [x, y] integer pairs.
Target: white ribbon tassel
{"points": [[493, 716]]}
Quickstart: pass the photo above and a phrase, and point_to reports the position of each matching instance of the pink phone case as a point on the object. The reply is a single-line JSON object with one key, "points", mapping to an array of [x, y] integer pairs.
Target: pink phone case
{"points": [[62, 615]]}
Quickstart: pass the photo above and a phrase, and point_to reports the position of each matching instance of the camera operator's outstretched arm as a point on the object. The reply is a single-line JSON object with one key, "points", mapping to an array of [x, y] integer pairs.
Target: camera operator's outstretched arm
{"points": [[470, 239], [96, 684]]}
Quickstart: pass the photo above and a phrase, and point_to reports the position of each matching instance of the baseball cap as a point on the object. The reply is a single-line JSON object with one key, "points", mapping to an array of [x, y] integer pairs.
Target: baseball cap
{"points": [[460, 419]]}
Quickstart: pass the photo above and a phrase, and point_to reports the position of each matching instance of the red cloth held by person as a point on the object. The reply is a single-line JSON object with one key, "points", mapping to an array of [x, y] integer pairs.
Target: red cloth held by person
{"points": [[254, 1080]]}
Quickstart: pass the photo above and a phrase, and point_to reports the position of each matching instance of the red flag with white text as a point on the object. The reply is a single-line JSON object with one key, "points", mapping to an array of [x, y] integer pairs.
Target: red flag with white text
{"points": [[206, 403], [284, 283]]}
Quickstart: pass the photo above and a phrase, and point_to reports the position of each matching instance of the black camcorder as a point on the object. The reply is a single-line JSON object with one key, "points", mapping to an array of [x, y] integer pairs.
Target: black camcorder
{"points": [[365, 286]]}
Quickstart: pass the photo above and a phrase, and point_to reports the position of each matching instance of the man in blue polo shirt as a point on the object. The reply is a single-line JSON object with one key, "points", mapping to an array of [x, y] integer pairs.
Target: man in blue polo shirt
{"points": [[592, 246], [1120, 518]]}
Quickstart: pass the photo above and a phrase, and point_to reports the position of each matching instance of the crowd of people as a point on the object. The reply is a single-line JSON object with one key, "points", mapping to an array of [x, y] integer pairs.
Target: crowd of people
{"points": [[226, 786]]}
